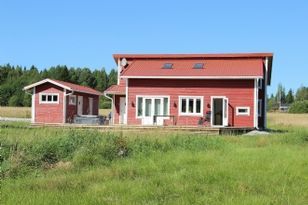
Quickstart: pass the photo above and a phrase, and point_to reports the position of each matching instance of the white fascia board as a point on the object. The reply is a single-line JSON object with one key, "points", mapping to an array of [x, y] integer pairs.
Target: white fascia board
{"points": [[46, 81]]}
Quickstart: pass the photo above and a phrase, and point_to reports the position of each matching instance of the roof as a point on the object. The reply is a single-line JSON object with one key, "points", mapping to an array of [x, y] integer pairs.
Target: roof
{"points": [[176, 56], [115, 89], [65, 85], [233, 65]]}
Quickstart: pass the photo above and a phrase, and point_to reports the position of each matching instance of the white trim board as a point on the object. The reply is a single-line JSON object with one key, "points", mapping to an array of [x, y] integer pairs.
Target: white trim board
{"points": [[193, 77]]}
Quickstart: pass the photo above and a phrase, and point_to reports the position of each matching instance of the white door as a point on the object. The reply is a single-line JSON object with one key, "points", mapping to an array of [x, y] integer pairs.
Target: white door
{"points": [[147, 119], [122, 117], [219, 110], [90, 106], [80, 105], [153, 106]]}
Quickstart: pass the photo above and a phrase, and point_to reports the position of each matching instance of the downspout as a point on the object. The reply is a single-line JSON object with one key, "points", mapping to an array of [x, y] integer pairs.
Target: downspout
{"points": [[112, 116]]}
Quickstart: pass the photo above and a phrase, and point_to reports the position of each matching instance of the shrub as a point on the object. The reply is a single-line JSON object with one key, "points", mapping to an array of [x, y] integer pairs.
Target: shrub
{"points": [[299, 107]]}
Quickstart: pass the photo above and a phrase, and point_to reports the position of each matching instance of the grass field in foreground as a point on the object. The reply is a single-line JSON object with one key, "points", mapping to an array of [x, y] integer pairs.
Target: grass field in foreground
{"points": [[65, 166]]}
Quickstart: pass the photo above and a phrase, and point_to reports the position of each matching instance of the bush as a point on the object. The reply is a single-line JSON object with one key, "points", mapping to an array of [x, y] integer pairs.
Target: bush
{"points": [[299, 107]]}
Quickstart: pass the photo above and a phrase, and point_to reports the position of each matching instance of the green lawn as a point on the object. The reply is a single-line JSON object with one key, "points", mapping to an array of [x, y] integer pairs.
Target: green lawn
{"points": [[63, 166]]}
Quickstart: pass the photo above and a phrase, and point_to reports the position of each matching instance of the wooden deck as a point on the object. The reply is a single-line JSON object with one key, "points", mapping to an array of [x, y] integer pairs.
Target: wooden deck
{"points": [[190, 129]]}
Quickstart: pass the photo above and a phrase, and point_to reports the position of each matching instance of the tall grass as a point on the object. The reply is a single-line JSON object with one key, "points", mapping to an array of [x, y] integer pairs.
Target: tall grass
{"points": [[56, 166]]}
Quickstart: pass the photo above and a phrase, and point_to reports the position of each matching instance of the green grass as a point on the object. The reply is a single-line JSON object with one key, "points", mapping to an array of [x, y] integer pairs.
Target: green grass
{"points": [[64, 166]]}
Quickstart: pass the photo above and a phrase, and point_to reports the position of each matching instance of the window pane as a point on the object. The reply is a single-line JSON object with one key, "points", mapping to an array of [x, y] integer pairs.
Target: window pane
{"points": [[242, 110], [148, 103], [183, 109], [55, 98], [43, 98], [49, 98], [157, 103], [191, 106], [166, 108], [140, 107], [198, 106]]}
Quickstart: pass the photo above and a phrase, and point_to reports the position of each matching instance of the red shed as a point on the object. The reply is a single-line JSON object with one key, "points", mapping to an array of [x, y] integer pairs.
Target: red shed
{"points": [[217, 90], [55, 101]]}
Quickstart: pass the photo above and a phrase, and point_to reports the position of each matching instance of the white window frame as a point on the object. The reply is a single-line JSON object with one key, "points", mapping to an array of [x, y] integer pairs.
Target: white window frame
{"points": [[243, 114], [151, 97], [260, 108], [194, 98], [260, 83], [48, 102], [69, 100]]}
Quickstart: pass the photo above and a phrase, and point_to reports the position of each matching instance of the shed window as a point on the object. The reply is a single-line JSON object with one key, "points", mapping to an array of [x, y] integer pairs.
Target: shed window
{"points": [[72, 99], [167, 66], [49, 98], [198, 66], [243, 111]]}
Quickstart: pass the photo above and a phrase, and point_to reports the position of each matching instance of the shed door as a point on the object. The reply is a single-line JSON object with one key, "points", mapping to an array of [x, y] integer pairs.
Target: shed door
{"points": [[90, 106], [80, 105]]}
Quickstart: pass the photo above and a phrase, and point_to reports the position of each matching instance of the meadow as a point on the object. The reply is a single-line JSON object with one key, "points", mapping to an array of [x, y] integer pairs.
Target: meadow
{"points": [[66, 166]]}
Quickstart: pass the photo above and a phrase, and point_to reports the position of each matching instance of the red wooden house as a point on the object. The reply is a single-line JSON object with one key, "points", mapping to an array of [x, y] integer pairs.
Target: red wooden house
{"points": [[216, 90], [55, 101]]}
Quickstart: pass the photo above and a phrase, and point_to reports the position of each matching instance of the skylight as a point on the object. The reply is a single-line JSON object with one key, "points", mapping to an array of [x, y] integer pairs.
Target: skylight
{"points": [[167, 66], [198, 65]]}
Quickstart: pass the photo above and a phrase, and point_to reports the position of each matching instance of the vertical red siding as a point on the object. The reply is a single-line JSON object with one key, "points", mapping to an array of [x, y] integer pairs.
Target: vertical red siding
{"points": [[239, 93], [48, 113], [53, 113]]}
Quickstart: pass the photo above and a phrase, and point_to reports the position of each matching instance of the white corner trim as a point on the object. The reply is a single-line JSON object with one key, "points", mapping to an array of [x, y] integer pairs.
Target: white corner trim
{"points": [[255, 104], [265, 93], [126, 102], [33, 105], [64, 105]]}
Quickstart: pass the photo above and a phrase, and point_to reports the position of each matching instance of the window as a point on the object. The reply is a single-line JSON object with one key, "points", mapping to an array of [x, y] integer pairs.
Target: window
{"points": [[49, 98], [243, 111], [259, 108], [192, 105], [260, 83], [148, 106], [167, 65], [72, 99], [198, 65], [140, 105]]}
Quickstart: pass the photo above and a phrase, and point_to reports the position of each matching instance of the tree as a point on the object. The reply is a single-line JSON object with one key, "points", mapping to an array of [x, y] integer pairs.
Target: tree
{"points": [[112, 77], [302, 93], [290, 97], [281, 94]]}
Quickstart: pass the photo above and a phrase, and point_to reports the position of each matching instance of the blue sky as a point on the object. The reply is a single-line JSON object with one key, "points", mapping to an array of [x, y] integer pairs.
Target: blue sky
{"points": [[87, 33]]}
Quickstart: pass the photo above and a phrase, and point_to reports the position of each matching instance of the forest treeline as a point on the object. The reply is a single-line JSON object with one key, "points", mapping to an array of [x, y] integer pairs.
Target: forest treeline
{"points": [[296, 101], [14, 78]]}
